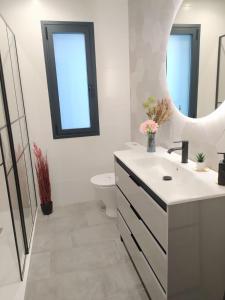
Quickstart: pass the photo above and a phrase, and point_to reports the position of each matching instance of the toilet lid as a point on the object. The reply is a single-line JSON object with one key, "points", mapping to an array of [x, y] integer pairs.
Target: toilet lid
{"points": [[107, 179]]}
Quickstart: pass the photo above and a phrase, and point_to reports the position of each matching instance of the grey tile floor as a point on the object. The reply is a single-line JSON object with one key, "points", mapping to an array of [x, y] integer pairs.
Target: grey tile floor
{"points": [[77, 255]]}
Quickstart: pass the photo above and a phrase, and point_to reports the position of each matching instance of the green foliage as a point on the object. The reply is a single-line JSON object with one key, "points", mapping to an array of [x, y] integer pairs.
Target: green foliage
{"points": [[200, 157], [150, 102]]}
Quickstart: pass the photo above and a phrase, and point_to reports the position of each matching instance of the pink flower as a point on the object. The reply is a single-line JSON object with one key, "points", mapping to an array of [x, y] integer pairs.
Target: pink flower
{"points": [[149, 127]]}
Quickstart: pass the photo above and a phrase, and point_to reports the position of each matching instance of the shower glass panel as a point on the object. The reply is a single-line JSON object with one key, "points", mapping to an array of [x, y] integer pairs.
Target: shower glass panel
{"points": [[16, 216], [2, 114], [6, 149], [12, 195], [17, 139], [21, 144], [16, 73], [30, 181], [23, 180], [23, 128], [12, 249], [9, 272], [23, 124], [17, 189], [8, 73]]}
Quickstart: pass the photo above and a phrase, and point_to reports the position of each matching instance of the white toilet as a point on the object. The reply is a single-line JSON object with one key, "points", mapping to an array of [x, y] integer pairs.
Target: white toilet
{"points": [[106, 192], [105, 187]]}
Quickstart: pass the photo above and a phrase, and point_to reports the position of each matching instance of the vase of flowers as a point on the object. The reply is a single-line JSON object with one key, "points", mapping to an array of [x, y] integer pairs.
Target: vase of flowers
{"points": [[158, 112], [42, 171], [149, 128], [151, 143]]}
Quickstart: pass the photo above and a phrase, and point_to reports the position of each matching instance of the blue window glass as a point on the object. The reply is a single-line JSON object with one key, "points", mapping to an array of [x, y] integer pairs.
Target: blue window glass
{"points": [[179, 60], [72, 79], [69, 49]]}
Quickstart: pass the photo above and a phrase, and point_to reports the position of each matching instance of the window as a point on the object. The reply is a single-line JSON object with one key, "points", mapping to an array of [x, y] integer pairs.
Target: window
{"points": [[182, 67], [71, 73]]}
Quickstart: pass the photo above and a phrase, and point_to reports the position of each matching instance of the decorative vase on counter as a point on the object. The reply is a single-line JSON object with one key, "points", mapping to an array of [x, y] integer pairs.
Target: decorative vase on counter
{"points": [[151, 142], [200, 166], [149, 128], [43, 179], [46, 208], [158, 112], [200, 162]]}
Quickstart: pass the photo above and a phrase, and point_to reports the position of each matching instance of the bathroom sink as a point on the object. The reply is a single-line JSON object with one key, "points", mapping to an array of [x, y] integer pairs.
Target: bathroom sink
{"points": [[157, 167], [186, 183], [183, 182]]}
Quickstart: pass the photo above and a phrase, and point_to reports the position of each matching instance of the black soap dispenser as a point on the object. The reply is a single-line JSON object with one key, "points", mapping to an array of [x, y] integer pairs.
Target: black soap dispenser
{"points": [[221, 172]]}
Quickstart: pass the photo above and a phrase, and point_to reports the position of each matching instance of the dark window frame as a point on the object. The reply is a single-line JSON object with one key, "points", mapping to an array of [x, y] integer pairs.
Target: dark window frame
{"points": [[48, 28], [195, 31], [217, 102]]}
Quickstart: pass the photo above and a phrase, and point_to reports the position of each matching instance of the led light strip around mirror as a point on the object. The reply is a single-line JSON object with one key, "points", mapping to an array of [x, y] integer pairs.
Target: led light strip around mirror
{"points": [[195, 60]]}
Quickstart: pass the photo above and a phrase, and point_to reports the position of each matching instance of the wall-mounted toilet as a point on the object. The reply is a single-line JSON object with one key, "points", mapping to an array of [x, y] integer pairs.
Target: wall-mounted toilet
{"points": [[105, 187], [106, 192]]}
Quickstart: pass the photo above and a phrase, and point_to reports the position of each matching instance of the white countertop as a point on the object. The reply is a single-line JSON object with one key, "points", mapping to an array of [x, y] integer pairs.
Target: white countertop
{"points": [[187, 184]]}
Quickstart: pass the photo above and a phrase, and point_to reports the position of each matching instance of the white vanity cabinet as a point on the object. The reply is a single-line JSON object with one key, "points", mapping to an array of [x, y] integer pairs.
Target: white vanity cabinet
{"points": [[178, 250]]}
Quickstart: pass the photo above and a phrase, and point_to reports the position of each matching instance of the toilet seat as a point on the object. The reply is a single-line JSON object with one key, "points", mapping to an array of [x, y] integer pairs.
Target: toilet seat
{"points": [[104, 180]]}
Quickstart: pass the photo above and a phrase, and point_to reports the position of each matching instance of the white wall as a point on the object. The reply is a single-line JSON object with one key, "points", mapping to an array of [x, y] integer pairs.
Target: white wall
{"points": [[74, 161], [150, 25], [211, 15]]}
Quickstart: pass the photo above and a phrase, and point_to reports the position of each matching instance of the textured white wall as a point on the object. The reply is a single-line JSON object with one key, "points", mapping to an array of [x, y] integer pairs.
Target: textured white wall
{"points": [[74, 161], [150, 25]]}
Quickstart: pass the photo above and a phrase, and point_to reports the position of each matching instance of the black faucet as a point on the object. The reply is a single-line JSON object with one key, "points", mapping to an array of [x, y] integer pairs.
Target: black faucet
{"points": [[184, 149]]}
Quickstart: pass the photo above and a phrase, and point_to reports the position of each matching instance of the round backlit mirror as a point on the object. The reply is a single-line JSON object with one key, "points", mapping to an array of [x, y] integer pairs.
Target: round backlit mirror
{"points": [[196, 57]]}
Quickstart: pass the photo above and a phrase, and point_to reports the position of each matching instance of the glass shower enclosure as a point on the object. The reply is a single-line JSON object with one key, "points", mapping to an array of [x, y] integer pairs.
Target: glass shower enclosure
{"points": [[18, 202]]}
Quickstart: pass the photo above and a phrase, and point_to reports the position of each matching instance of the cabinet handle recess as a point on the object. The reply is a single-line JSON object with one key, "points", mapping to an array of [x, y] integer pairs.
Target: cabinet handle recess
{"points": [[135, 212], [136, 243], [135, 180]]}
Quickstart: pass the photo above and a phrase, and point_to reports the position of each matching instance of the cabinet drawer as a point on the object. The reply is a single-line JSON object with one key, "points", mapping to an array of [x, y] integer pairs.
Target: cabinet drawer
{"points": [[151, 213], [152, 251], [143, 268]]}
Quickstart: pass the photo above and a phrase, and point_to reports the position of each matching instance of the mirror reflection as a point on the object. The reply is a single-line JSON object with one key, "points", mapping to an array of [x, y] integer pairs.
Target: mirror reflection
{"points": [[220, 88], [196, 57]]}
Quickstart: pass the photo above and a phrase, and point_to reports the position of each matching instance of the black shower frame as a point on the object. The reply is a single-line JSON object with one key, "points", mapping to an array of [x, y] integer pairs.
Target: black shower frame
{"points": [[11, 209]]}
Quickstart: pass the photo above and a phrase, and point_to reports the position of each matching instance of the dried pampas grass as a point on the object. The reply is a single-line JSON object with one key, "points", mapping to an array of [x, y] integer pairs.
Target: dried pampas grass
{"points": [[159, 111]]}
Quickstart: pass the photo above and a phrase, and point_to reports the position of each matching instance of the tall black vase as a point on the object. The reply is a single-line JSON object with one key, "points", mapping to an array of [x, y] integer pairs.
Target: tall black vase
{"points": [[47, 208]]}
